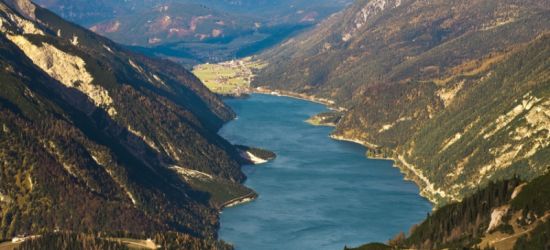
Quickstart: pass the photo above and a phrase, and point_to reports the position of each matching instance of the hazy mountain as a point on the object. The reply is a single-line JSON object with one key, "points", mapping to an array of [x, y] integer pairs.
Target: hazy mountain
{"points": [[97, 139], [189, 31], [455, 91]]}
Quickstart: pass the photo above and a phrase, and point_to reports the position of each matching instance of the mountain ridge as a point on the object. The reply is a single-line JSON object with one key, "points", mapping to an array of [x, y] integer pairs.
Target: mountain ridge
{"points": [[101, 140], [410, 63]]}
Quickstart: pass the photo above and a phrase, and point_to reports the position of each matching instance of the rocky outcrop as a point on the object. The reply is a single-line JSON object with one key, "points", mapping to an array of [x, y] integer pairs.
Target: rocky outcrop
{"points": [[68, 69], [24, 7]]}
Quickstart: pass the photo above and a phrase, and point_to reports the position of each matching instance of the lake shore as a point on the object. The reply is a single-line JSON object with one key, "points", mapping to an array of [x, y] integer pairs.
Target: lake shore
{"points": [[332, 190], [330, 104], [410, 172], [240, 200]]}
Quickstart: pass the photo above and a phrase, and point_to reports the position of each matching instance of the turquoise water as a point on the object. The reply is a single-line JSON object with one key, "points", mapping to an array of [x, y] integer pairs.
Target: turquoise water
{"points": [[318, 193]]}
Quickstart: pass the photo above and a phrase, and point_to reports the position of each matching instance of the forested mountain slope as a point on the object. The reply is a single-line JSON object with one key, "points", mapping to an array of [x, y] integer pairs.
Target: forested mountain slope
{"points": [[505, 215], [97, 139], [455, 91]]}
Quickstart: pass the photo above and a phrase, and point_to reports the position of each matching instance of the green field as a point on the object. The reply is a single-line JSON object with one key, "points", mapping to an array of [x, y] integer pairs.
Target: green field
{"points": [[228, 78]]}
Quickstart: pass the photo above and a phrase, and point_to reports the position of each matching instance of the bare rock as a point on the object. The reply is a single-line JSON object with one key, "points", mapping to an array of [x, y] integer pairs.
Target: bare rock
{"points": [[24, 7]]}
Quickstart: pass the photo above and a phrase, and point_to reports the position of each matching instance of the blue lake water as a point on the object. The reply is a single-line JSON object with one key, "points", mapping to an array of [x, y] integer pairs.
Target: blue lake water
{"points": [[319, 193]]}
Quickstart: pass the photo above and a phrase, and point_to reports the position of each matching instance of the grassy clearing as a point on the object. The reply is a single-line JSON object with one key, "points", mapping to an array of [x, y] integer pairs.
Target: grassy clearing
{"points": [[228, 78]]}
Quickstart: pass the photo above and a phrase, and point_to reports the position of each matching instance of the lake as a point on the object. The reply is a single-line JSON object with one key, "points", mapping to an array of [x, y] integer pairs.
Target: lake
{"points": [[319, 193]]}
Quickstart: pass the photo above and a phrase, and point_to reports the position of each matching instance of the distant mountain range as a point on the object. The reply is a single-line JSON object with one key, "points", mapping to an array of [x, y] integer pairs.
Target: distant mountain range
{"points": [[96, 139], [456, 92], [196, 31]]}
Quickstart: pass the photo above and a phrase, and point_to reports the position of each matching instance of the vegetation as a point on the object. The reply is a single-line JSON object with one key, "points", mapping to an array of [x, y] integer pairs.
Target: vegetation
{"points": [[465, 224], [65, 240], [325, 119], [228, 78], [70, 241], [69, 165], [538, 239], [458, 96], [430, 91]]}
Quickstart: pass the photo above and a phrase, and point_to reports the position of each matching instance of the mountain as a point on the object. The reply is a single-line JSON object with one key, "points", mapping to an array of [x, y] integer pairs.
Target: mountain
{"points": [[196, 31], [97, 139], [173, 22], [505, 215], [456, 92]]}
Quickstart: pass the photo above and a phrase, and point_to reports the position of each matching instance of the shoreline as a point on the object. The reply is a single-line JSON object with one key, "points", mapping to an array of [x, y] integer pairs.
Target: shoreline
{"points": [[426, 188], [409, 171], [254, 159], [330, 104], [308, 121], [250, 197]]}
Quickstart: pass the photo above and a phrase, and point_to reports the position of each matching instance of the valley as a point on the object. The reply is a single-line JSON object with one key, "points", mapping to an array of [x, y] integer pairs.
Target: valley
{"points": [[292, 124]]}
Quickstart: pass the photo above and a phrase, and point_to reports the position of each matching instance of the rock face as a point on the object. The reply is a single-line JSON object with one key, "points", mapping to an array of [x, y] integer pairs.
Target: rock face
{"points": [[24, 7], [67, 69]]}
